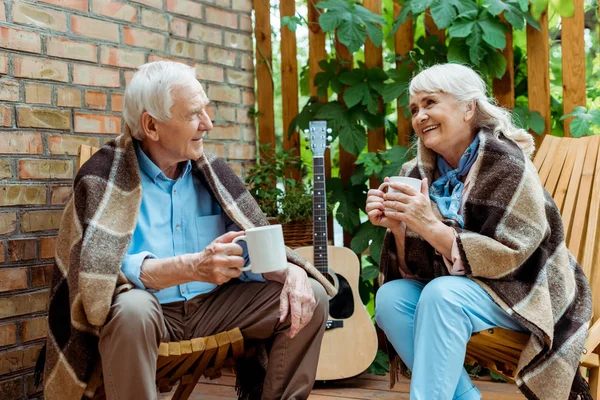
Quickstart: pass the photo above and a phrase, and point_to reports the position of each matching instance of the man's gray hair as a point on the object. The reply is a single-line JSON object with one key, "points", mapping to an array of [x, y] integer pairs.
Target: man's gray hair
{"points": [[150, 91], [467, 87]]}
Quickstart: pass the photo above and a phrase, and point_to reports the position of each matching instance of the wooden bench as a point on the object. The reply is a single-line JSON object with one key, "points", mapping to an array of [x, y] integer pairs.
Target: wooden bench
{"points": [[185, 362], [569, 169]]}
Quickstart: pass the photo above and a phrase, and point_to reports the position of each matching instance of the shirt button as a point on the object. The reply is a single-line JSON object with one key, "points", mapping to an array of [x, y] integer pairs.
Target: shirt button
{"points": [[174, 191], [182, 290], [177, 227]]}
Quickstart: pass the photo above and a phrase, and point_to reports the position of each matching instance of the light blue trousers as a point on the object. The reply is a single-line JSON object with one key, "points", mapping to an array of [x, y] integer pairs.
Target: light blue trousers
{"points": [[430, 324]]}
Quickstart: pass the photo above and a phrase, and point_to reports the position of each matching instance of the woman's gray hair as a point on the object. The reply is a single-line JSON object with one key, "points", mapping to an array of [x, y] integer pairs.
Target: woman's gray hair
{"points": [[467, 86], [150, 91]]}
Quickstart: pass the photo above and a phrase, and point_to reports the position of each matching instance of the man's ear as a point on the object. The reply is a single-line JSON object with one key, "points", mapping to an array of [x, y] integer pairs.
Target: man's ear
{"points": [[470, 111], [149, 126]]}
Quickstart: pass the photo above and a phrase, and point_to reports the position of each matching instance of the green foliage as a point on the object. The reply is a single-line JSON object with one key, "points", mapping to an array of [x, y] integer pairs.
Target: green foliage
{"points": [[381, 364], [584, 120], [291, 22], [528, 119]]}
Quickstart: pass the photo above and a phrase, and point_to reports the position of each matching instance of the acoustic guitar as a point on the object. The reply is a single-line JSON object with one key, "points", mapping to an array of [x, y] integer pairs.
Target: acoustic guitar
{"points": [[350, 342]]}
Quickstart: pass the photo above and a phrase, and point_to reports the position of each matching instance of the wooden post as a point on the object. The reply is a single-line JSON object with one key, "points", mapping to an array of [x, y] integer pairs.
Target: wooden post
{"points": [[374, 58], [431, 28], [504, 88], [316, 46], [573, 62], [404, 41], [538, 73], [289, 83], [264, 89]]}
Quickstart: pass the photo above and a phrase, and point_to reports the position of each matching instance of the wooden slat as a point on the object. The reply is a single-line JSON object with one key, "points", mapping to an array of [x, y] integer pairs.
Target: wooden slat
{"points": [[572, 189], [538, 72], [289, 84], [544, 171], [557, 165], [374, 58], [573, 62], [593, 236], [542, 152], [504, 88], [565, 177], [264, 80], [237, 343], [185, 388], [404, 41], [431, 29]]}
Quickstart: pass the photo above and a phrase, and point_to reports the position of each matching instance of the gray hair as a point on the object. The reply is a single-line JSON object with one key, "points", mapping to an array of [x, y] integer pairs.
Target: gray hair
{"points": [[467, 86], [150, 91]]}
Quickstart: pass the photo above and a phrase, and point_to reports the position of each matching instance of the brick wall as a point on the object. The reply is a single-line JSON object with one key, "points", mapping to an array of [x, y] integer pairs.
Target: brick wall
{"points": [[64, 65]]}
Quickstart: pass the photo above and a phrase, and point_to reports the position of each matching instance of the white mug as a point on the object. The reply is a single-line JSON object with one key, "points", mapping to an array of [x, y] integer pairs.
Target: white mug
{"points": [[266, 249], [414, 182]]}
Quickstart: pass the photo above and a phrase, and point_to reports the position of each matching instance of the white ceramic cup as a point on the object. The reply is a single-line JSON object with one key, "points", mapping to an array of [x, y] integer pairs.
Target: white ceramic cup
{"points": [[266, 249], [414, 182]]}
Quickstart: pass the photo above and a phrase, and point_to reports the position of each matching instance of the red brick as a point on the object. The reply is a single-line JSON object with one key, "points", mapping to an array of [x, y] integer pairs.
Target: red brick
{"points": [[249, 134], [157, 57], [3, 64], [9, 89], [114, 9], [152, 19], [245, 23], [17, 39], [180, 48], [2, 13], [210, 110], [34, 221], [13, 279], [41, 276], [45, 169], [39, 68], [223, 93], [121, 57], [225, 133], [227, 113], [205, 34], [116, 101], [179, 27], [48, 118], [221, 56], [151, 3], [67, 144], [20, 143], [223, 3], [129, 74], [243, 117], [13, 195], [18, 359], [144, 38], [8, 336], [248, 98], [34, 329], [217, 149], [59, 195], [247, 62], [95, 100], [220, 17], [238, 151], [5, 169], [240, 78], [237, 41], [64, 48], [8, 224], [69, 97], [237, 168], [97, 123], [38, 94], [242, 5], [185, 7], [95, 76], [81, 5], [5, 116], [94, 28], [47, 247], [28, 14], [22, 250]]}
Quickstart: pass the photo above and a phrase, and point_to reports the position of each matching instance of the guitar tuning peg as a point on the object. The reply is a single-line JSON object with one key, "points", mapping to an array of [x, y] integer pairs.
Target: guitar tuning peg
{"points": [[306, 137], [329, 130], [307, 147], [306, 131], [330, 138]]}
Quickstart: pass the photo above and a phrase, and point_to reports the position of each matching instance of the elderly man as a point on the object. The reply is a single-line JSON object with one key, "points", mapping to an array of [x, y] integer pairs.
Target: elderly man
{"points": [[145, 255]]}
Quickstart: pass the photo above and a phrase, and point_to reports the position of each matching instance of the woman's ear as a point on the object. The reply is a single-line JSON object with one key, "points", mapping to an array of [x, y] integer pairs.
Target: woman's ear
{"points": [[149, 126], [470, 111]]}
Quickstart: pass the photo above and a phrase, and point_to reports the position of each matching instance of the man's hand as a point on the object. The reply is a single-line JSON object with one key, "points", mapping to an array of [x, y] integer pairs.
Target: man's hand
{"points": [[219, 262], [297, 297]]}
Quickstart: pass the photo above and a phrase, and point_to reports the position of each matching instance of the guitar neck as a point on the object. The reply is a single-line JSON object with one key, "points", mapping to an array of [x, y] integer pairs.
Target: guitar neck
{"points": [[319, 215]]}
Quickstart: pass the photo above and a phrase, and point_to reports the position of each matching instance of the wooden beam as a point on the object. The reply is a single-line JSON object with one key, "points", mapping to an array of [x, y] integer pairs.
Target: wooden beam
{"points": [[404, 41], [264, 89], [573, 62], [374, 58], [431, 28], [316, 46], [504, 88], [538, 73], [289, 83]]}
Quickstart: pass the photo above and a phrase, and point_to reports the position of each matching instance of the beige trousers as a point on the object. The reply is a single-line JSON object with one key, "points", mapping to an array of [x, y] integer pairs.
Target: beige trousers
{"points": [[137, 324]]}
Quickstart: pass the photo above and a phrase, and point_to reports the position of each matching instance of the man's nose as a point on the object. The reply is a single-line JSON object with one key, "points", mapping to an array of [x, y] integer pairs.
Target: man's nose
{"points": [[205, 123]]}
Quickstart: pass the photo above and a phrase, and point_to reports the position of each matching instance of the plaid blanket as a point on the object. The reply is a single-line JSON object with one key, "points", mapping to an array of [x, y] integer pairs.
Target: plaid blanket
{"points": [[513, 246], [94, 235]]}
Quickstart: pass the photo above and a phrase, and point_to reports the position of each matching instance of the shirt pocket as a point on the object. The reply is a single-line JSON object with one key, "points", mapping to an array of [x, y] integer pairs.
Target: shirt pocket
{"points": [[208, 228]]}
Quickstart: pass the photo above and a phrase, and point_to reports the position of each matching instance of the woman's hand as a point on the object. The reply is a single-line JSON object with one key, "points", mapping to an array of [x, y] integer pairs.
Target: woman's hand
{"points": [[411, 207], [376, 210]]}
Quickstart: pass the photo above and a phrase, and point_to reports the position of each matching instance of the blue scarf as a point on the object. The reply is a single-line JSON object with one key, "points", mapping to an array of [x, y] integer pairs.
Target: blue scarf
{"points": [[447, 190]]}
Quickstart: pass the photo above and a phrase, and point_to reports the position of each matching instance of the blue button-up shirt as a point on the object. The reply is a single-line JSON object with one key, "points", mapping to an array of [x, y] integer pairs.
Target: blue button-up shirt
{"points": [[176, 217]]}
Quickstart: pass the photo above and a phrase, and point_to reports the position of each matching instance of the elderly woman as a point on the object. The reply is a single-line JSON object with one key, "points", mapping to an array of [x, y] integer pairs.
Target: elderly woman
{"points": [[480, 246]]}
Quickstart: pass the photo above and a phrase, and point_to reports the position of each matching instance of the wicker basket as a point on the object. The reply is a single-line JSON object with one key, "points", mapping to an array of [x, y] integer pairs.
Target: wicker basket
{"points": [[296, 233]]}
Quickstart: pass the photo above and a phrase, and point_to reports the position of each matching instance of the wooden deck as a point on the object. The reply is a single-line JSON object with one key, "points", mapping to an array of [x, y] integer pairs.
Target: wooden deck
{"points": [[361, 387]]}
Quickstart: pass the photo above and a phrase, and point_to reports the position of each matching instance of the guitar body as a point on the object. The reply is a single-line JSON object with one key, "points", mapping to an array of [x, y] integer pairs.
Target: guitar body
{"points": [[350, 342]]}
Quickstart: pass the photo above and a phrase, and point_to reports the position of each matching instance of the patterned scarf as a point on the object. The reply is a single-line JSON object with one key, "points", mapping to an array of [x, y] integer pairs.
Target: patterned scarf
{"points": [[447, 190]]}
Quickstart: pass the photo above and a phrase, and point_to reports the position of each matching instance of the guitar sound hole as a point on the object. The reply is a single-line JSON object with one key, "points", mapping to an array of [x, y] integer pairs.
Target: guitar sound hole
{"points": [[342, 305]]}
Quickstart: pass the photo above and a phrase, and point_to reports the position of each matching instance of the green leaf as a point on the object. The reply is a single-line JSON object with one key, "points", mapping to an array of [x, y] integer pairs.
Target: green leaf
{"points": [[365, 290], [595, 116], [353, 138], [536, 122], [527, 119], [380, 365], [465, 6], [377, 244], [352, 34], [495, 7], [497, 378], [578, 111], [375, 33], [363, 237], [359, 177], [417, 7], [354, 94], [495, 63], [461, 29], [579, 127], [329, 21], [370, 272], [349, 200], [493, 32], [443, 13], [458, 52], [353, 77]]}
